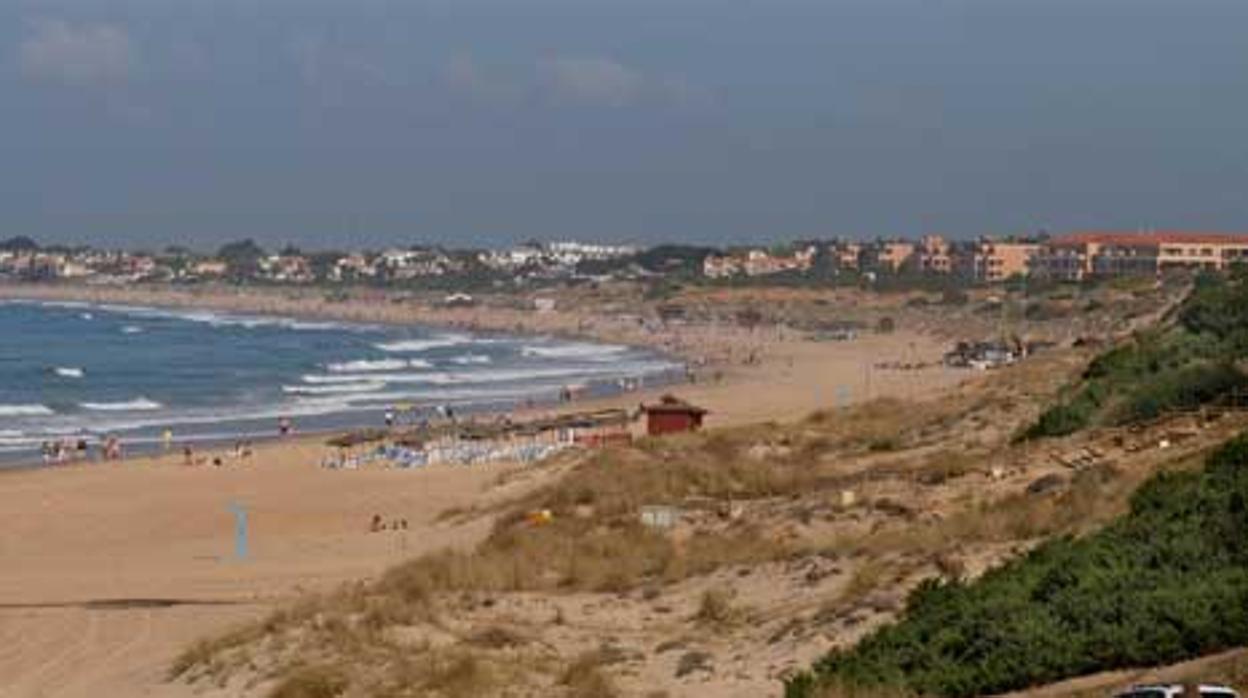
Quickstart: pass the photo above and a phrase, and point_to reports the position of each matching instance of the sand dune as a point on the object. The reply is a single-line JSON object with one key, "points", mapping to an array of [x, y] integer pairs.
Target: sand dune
{"points": [[157, 530]]}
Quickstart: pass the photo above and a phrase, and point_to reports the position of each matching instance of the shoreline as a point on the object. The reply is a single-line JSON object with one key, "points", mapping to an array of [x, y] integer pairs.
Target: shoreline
{"points": [[309, 303], [150, 527], [724, 365], [144, 443]]}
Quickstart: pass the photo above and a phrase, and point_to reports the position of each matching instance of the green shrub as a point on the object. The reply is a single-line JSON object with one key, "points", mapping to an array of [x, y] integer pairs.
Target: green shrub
{"points": [[1165, 583], [1180, 366]]}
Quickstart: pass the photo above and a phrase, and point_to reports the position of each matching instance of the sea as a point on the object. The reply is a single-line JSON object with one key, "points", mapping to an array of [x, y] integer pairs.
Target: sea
{"points": [[86, 370]]}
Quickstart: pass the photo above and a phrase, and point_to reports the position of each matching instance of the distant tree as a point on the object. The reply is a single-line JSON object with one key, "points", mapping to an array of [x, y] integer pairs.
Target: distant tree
{"points": [[322, 262], [21, 243], [674, 258], [242, 258]]}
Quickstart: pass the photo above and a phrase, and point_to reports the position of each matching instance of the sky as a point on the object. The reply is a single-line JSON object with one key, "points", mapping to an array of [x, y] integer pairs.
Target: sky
{"points": [[486, 122]]}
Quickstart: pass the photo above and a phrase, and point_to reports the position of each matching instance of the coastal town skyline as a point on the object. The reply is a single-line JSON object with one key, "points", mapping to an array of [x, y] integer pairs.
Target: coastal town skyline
{"points": [[1075, 256]]}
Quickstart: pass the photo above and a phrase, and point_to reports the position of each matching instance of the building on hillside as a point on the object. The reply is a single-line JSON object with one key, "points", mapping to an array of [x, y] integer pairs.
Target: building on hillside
{"points": [[763, 263], [888, 256], [572, 252], [287, 269], [989, 261], [717, 266], [208, 268], [846, 254], [352, 266], [757, 262], [933, 255], [1080, 256], [672, 415]]}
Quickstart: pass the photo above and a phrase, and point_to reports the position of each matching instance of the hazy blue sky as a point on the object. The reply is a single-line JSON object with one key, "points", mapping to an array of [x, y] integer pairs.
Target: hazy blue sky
{"points": [[481, 121]]}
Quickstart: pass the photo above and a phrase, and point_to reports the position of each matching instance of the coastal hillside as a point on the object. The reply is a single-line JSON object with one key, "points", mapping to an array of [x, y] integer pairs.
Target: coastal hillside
{"points": [[1166, 582], [1193, 358], [1156, 586], [721, 563]]}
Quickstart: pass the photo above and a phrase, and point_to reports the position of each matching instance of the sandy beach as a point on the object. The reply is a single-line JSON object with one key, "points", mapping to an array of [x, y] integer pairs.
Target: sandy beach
{"points": [[109, 570]]}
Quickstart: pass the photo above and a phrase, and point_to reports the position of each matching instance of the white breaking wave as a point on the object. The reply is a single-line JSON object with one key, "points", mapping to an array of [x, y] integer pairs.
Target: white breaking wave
{"points": [[592, 352], [87, 316], [25, 411], [489, 376], [370, 387], [419, 345], [359, 401], [131, 329], [140, 404], [223, 319], [68, 372], [472, 359], [366, 365]]}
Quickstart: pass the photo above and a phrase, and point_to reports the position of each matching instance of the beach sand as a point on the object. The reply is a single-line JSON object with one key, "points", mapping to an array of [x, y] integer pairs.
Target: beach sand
{"points": [[154, 529]]}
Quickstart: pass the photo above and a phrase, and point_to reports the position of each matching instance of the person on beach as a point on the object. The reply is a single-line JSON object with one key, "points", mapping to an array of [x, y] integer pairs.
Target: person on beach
{"points": [[188, 455], [389, 418], [284, 426], [111, 448], [166, 437]]}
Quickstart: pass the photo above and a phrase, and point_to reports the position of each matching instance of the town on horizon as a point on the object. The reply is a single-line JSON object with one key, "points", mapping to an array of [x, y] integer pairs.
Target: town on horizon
{"points": [[1072, 256]]}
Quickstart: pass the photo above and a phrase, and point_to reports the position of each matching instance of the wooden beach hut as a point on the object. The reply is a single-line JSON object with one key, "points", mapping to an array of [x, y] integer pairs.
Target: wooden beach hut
{"points": [[672, 415]]}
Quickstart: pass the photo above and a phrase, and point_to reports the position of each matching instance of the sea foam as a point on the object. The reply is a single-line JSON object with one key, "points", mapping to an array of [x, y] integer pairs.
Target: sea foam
{"points": [[356, 387], [591, 352], [367, 365], [418, 345], [472, 359], [25, 411], [140, 404]]}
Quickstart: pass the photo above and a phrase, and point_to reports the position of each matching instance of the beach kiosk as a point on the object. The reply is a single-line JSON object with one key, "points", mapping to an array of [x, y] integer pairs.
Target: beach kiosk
{"points": [[672, 415]]}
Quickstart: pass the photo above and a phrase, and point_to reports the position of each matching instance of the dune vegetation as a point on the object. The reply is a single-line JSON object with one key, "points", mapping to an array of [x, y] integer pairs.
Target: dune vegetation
{"points": [[1192, 360], [1166, 582]]}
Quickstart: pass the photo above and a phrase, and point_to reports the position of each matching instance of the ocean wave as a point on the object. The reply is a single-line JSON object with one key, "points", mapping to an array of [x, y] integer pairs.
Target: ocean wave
{"points": [[364, 401], [472, 359], [490, 376], [25, 411], [591, 352], [418, 345], [68, 372], [228, 319], [131, 329], [140, 404], [367, 365], [368, 387], [52, 425]]}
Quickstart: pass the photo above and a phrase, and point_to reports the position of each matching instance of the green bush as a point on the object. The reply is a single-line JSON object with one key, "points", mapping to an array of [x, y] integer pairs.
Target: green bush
{"points": [[1186, 364], [1183, 388], [1165, 583]]}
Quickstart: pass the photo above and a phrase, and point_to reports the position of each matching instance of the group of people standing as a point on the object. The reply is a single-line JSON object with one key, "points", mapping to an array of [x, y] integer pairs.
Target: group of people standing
{"points": [[79, 448]]}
